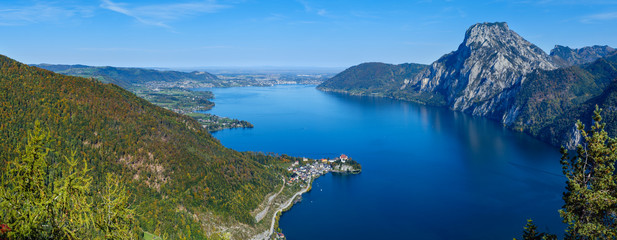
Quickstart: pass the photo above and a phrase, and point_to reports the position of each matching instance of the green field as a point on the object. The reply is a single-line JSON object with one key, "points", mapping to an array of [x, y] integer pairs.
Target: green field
{"points": [[150, 236]]}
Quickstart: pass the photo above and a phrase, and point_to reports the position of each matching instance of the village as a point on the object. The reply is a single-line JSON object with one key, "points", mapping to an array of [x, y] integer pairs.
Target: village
{"points": [[311, 169], [308, 170]]}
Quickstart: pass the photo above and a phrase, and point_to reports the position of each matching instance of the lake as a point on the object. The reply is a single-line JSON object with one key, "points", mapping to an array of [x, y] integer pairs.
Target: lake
{"points": [[428, 173]]}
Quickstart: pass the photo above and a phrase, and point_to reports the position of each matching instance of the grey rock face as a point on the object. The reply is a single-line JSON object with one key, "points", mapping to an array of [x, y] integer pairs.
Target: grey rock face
{"points": [[483, 74], [573, 138], [565, 56]]}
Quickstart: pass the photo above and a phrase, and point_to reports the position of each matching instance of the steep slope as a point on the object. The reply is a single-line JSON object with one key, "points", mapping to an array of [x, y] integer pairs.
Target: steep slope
{"points": [[126, 77], [565, 56], [179, 174], [497, 74], [482, 74], [372, 78], [550, 102]]}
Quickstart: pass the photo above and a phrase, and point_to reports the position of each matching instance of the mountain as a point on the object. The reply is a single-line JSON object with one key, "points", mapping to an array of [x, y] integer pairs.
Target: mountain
{"points": [[184, 183], [127, 77], [549, 102], [480, 75], [496, 73], [565, 56], [372, 78]]}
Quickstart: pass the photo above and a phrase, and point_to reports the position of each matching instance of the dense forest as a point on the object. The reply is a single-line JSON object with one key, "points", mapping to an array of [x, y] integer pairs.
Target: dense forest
{"points": [[549, 102], [175, 170], [127, 77], [373, 78]]}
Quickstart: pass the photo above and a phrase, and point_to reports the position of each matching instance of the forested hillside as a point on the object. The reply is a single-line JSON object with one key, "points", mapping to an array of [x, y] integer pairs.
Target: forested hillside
{"points": [[372, 78], [496, 73], [177, 173], [127, 77], [168, 89], [549, 102]]}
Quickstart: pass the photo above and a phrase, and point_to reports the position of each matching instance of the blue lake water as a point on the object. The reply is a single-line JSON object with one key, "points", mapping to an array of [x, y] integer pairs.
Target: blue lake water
{"points": [[428, 173]]}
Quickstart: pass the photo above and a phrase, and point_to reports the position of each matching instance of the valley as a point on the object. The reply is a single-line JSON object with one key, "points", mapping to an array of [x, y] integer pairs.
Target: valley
{"points": [[173, 90], [304, 120]]}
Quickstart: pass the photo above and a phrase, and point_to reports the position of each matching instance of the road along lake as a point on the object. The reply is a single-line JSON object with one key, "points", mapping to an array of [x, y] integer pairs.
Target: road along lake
{"points": [[427, 172]]}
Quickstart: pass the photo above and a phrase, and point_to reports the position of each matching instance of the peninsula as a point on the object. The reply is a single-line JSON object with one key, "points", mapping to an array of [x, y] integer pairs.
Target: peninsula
{"points": [[301, 174]]}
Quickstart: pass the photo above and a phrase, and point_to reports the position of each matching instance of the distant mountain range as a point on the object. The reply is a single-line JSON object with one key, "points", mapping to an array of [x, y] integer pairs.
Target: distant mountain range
{"points": [[127, 77], [497, 74]]}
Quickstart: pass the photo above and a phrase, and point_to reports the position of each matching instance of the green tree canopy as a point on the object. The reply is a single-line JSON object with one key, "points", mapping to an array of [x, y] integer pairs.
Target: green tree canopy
{"points": [[40, 199], [591, 193], [590, 207]]}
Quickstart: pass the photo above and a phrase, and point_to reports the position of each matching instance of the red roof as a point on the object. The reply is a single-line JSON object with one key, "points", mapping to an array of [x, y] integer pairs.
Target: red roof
{"points": [[343, 156]]}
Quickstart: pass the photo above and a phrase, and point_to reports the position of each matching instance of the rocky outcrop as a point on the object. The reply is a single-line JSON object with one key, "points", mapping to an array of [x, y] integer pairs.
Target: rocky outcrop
{"points": [[483, 74], [346, 168], [496, 73], [565, 56]]}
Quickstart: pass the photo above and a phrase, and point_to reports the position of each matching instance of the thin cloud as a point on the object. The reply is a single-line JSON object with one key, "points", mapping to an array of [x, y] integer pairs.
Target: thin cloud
{"points": [[39, 13], [310, 9], [599, 17], [160, 15]]}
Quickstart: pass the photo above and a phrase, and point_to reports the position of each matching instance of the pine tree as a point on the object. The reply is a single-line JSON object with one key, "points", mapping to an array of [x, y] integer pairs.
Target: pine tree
{"points": [[590, 207], [531, 233]]}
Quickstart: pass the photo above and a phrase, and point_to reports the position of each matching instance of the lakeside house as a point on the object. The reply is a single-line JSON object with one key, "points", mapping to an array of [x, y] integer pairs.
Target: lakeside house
{"points": [[301, 173], [343, 158]]}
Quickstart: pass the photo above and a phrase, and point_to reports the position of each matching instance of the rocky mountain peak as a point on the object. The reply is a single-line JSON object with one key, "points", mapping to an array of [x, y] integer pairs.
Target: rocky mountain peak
{"points": [[490, 60], [480, 33]]}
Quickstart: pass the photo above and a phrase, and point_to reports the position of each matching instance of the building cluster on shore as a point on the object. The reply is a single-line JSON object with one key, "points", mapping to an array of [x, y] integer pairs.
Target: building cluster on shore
{"points": [[302, 173], [279, 236]]}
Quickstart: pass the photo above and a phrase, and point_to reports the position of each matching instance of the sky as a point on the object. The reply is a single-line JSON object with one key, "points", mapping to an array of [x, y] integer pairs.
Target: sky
{"points": [[282, 33]]}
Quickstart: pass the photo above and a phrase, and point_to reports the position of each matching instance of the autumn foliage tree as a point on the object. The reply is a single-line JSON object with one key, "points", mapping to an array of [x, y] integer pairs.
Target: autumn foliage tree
{"points": [[40, 199], [113, 216]]}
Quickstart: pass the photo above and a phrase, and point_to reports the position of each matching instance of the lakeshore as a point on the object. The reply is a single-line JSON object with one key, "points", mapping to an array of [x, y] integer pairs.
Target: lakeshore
{"points": [[408, 153], [301, 174]]}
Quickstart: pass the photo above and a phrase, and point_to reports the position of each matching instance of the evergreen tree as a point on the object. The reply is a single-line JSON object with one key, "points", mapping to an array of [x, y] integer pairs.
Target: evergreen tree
{"points": [[531, 233], [590, 207]]}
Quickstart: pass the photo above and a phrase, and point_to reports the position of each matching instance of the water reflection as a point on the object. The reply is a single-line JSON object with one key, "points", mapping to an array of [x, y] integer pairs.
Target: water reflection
{"points": [[423, 167]]}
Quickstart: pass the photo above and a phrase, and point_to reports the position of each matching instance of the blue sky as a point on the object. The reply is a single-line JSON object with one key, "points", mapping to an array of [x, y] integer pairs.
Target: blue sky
{"points": [[314, 33]]}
